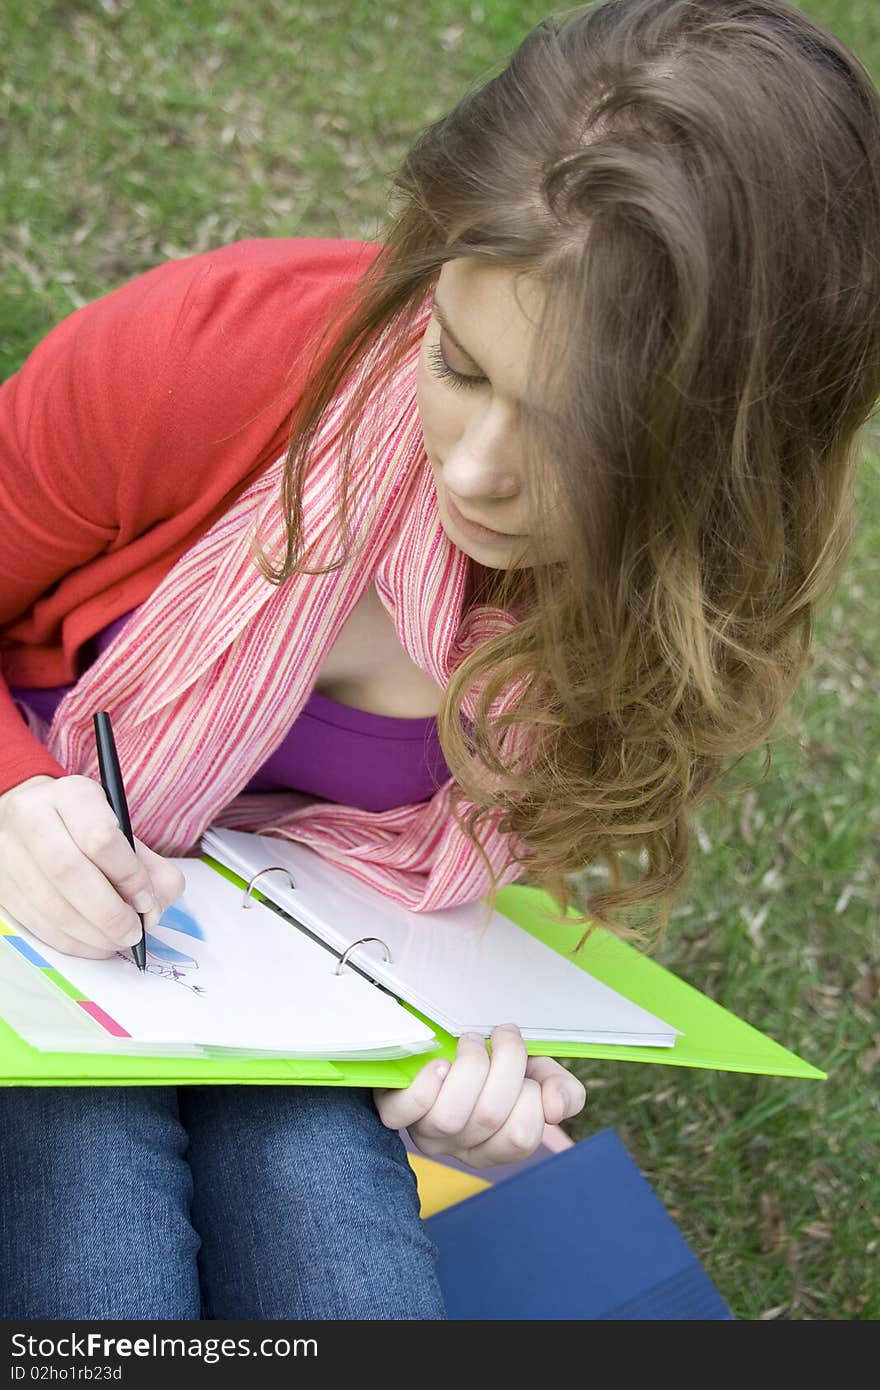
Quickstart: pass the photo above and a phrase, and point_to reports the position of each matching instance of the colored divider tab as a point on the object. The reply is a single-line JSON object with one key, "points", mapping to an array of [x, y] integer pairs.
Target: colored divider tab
{"points": [[105, 1020], [64, 985], [25, 949]]}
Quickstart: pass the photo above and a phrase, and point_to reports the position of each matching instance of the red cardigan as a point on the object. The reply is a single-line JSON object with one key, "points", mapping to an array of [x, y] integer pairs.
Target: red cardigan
{"points": [[129, 430]]}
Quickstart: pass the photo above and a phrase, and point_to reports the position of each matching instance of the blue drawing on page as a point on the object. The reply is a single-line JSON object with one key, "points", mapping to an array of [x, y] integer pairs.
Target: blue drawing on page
{"points": [[162, 951], [167, 961], [178, 919]]}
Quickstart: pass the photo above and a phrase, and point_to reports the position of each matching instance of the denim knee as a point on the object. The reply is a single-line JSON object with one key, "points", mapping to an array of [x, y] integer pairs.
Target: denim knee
{"points": [[307, 1207], [96, 1193], [208, 1201]]}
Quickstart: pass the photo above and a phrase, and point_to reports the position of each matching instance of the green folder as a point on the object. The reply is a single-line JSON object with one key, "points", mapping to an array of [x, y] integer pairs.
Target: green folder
{"points": [[711, 1036]]}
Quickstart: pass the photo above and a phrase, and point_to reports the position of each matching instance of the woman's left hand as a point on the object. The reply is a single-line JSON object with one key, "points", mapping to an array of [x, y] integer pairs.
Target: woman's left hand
{"points": [[483, 1110]]}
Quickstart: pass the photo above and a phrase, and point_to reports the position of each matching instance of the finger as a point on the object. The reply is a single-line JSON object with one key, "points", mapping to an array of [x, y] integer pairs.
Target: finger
{"points": [[399, 1109], [93, 826], [85, 857], [543, 1069], [167, 880], [461, 1090], [18, 911], [42, 872], [497, 1095], [502, 1092], [518, 1138], [562, 1094]]}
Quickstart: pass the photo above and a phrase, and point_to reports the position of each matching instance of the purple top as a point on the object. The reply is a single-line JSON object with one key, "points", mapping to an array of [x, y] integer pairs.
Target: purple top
{"points": [[334, 752]]}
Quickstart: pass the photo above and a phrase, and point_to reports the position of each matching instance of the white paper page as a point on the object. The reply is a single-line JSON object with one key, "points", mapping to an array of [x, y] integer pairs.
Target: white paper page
{"points": [[50, 1020], [465, 969], [220, 975]]}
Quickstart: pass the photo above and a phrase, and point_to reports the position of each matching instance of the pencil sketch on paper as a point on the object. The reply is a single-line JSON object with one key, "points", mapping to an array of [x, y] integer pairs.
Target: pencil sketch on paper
{"points": [[166, 961]]}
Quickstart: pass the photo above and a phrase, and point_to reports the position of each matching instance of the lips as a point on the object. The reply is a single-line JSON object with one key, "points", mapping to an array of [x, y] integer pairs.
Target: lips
{"points": [[457, 513], [483, 527]]}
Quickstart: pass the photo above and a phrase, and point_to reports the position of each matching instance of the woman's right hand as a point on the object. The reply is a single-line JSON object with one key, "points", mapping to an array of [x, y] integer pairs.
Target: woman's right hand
{"points": [[68, 873]]}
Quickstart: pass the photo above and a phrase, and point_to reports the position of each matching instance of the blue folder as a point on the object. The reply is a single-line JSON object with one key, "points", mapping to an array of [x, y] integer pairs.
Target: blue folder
{"points": [[581, 1235]]}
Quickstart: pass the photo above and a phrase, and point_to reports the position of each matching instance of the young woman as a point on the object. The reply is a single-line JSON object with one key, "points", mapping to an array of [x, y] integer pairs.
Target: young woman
{"points": [[465, 556]]}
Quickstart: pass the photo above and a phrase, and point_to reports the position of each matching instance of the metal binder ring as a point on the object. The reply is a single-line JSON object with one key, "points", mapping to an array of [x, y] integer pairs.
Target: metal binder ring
{"points": [[345, 954], [274, 868]]}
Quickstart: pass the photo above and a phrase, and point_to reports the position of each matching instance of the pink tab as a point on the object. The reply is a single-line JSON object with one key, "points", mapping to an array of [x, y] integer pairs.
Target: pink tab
{"points": [[104, 1019]]}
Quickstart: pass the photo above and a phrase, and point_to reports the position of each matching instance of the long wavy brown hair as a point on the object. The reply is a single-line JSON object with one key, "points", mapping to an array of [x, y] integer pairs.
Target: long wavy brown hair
{"points": [[696, 186]]}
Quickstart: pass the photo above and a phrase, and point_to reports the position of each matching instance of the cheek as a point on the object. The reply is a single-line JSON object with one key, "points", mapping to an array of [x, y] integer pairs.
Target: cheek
{"points": [[436, 411]]}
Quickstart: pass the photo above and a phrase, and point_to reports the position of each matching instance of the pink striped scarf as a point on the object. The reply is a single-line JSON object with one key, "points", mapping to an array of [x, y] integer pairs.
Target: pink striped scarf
{"points": [[207, 677]]}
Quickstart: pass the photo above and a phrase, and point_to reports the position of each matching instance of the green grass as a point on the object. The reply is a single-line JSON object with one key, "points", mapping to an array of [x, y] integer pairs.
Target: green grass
{"points": [[135, 132]]}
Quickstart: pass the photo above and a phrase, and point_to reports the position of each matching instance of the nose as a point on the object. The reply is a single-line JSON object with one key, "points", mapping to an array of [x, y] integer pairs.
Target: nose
{"points": [[479, 474]]}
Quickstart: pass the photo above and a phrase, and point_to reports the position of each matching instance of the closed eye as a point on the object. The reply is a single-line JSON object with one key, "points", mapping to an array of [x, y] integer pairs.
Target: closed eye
{"points": [[441, 368]]}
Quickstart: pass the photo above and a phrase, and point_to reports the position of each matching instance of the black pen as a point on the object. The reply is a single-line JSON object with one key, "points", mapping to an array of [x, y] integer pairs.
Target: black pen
{"points": [[111, 781]]}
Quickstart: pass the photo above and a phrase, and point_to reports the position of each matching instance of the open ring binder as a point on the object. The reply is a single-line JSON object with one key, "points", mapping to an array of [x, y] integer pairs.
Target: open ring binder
{"points": [[345, 954], [246, 901]]}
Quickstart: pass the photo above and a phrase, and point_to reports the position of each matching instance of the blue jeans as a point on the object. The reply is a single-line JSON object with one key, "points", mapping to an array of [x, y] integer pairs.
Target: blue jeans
{"points": [[227, 1202]]}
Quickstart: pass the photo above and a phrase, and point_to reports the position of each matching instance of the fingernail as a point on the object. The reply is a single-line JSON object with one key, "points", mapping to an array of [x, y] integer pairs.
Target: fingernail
{"points": [[144, 902], [474, 1037], [562, 1097], [442, 1070]]}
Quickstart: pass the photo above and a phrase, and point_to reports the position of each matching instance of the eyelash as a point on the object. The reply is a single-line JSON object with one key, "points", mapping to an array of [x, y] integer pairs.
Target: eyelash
{"points": [[442, 369]]}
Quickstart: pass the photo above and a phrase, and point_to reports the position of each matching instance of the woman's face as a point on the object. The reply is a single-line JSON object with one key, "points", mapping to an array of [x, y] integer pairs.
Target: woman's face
{"points": [[472, 391]]}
